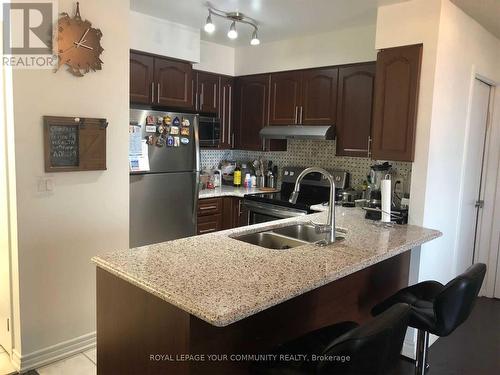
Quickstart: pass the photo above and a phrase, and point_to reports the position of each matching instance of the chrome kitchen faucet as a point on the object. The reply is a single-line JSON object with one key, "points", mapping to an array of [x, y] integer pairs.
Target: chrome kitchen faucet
{"points": [[329, 227]]}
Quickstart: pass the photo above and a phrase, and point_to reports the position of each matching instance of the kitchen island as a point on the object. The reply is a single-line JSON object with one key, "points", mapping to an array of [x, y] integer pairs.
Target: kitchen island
{"points": [[213, 294]]}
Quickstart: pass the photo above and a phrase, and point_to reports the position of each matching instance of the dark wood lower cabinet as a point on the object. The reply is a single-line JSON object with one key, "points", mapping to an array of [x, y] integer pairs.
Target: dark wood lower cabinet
{"points": [[216, 214], [139, 333]]}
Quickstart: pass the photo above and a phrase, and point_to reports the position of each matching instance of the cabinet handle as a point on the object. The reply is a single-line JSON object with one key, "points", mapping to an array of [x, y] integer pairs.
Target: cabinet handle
{"points": [[239, 208], [158, 92], [203, 208], [193, 94], [229, 134], [202, 95], [203, 231], [223, 114], [296, 113], [152, 92], [215, 96], [301, 112], [369, 146]]}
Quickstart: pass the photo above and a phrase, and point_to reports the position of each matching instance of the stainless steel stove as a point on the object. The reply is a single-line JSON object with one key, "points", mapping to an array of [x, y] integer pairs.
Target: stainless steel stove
{"points": [[314, 189]]}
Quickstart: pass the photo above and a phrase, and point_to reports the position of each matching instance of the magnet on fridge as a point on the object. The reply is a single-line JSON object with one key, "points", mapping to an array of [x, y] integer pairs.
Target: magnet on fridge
{"points": [[170, 141], [185, 122], [150, 128], [177, 142], [184, 131], [174, 130], [160, 141], [159, 120], [150, 140], [184, 141], [176, 122], [150, 120], [167, 120], [161, 129]]}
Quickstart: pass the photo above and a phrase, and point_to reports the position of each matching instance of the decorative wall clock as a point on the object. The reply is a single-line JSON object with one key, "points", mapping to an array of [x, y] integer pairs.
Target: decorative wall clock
{"points": [[78, 44]]}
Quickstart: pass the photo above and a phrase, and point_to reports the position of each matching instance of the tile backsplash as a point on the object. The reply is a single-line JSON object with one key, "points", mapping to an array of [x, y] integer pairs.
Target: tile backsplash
{"points": [[307, 153]]}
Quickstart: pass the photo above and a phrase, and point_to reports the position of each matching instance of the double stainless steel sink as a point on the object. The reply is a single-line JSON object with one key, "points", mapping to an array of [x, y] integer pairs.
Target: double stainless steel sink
{"points": [[288, 237]]}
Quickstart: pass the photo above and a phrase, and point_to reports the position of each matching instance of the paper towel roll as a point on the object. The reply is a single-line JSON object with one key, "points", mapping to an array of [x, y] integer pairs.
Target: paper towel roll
{"points": [[385, 187]]}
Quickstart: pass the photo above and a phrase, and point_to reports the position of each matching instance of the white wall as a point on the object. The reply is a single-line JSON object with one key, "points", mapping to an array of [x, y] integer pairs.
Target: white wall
{"points": [[455, 71], [216, 58], [162, 37], [345, 46], [87, 213]]}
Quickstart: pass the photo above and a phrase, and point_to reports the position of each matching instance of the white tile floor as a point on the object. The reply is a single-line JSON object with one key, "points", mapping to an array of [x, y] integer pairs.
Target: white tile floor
{"points": [[81, 364]]}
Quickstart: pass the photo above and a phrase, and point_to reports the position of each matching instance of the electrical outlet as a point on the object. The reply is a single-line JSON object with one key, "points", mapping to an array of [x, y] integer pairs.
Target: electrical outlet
{"points": [[45, 185]]}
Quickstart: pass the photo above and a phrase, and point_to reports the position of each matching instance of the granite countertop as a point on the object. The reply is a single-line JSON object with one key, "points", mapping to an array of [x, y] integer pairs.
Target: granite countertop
{"points": [[222, 280], [228, 191]]}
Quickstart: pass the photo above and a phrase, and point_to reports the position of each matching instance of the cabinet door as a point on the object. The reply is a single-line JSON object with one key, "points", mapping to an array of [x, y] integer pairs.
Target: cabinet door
{"points": [[319, 97], [252, 110], [173, 81], [208, 92], [285, 98], [240, 213], [226, 112], [141, 78], [354, 109], [396, 101]]}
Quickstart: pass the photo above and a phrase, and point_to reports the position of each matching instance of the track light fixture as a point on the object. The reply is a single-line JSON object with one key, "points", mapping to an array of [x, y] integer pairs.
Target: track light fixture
{"points": [[234, 17]]}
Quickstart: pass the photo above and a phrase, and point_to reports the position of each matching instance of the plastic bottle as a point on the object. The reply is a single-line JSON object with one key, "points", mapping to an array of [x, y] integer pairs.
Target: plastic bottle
{"points": [[248, 181], [237, 177], [254, 181]]}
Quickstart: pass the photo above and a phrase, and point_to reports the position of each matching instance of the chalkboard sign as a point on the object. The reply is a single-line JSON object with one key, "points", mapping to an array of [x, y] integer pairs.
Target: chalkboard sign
{"points": [[74, 144], [64, 150]]}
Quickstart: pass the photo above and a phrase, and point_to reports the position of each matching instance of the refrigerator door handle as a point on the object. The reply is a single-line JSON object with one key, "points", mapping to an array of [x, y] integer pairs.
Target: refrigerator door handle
{"points": [[196, 144], [195, 201]]}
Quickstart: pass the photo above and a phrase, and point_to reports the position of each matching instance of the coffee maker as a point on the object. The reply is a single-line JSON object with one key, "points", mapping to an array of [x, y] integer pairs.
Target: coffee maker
{"points": [[377, 174]]}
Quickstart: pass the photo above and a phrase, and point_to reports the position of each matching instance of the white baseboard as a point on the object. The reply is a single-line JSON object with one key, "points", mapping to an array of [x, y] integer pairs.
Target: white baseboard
{"points": [[42, 357]]}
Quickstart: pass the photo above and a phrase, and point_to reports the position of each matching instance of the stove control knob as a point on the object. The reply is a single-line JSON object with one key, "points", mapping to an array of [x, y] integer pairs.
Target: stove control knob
{"points": [[292, 173], [286, 173]]}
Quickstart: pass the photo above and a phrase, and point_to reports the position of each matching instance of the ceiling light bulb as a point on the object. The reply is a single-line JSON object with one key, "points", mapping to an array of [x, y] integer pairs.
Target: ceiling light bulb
{"points": [[255, 39], [232, 33], [209, 26]]}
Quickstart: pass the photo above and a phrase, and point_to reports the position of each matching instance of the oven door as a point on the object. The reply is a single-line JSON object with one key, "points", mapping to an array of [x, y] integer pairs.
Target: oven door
{"points": [[209, 131], [263, 212]]}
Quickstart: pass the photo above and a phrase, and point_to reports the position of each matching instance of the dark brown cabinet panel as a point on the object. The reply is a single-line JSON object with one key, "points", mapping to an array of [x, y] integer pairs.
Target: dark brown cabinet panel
{"points": [[251, 108], [354, 109], [396, 101], [285, 98], [141, 78], [209, 224], [208, 92], [226, 112], [173, 81], [240, 213], [319, 96]]}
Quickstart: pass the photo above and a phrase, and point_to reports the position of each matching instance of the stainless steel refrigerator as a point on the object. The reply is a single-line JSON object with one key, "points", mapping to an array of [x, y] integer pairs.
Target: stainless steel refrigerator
{"points": [[164, 199]]}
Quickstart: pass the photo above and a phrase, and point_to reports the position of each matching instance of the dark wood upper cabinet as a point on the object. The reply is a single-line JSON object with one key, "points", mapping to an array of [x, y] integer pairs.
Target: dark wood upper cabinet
{"points": [[251, 107], [141, 78], [226, 112], [285, 98], [319, 96], [396, 102], [354, 109], [208, 92], [173, 81]]}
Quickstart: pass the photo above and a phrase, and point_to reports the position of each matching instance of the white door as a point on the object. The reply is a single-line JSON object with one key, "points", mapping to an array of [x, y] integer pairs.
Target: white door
{"points": [[473, 168]]}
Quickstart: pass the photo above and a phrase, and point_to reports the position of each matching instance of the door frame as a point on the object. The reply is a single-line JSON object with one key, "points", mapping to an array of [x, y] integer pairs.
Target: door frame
{"points": [[488, 223], [8, 212]]}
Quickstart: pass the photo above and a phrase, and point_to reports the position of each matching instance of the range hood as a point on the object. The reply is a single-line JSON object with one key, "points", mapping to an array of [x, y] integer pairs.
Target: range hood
{"points": [[298, 132]]}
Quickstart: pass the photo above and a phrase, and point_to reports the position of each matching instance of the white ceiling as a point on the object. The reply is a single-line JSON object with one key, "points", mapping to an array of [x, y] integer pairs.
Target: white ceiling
{"points": [[486, 12], [278, 19]]}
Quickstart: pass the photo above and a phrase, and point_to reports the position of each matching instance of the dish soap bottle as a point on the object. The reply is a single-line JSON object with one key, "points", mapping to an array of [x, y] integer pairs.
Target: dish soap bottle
{"points": [[237, 176]]}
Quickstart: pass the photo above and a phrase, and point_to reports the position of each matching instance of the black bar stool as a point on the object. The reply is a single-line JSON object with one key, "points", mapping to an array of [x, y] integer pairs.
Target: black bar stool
{"points": [[345, 348], [437, 308]]}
